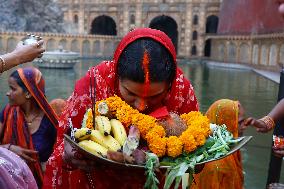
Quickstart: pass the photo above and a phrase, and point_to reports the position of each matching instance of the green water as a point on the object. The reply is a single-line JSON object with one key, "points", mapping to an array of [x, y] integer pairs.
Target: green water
{"points": [[257, 94]]}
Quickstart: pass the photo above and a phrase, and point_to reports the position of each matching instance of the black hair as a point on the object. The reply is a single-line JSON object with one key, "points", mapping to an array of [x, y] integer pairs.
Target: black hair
{"points": [[19, 81], [161, 63]]}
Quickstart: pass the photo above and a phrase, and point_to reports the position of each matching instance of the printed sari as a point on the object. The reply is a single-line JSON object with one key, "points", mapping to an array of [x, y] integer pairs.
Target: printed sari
{"points": [[16, 131], [180, 99], [14, 172], [227, 172]]}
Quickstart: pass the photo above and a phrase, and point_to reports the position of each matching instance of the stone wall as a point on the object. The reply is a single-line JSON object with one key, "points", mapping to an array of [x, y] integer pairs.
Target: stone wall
{"points": [[260, 51], [80, 14], [86, 45]]}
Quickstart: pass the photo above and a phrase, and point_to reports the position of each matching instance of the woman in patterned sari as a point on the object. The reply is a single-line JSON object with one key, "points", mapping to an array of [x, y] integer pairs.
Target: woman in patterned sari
{"points": [[28, 124], [144, 73], [227, 172]]}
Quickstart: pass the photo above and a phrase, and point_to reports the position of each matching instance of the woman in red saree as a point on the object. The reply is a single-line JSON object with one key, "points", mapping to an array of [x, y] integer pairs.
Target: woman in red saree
{"points": [[227, 172], [144, 73], [28, 124]]}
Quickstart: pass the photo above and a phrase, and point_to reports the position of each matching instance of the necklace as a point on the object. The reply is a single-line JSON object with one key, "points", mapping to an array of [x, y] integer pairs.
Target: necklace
{"points": [[29, 122]]}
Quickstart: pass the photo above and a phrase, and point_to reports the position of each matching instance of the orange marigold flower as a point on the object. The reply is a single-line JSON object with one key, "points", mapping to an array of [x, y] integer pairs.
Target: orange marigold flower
{"points": [[195, 135], [158, 146], [188, 141], [174, 146], [89, 121], [156, 131]]}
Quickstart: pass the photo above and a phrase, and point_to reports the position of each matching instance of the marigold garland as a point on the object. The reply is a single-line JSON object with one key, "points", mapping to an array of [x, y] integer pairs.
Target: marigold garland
{"points": [[88, 119], [195, 135]]}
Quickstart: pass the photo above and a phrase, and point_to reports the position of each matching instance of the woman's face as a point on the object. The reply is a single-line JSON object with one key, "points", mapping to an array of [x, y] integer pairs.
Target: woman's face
{"points": [[16, 94], [145, 101]]}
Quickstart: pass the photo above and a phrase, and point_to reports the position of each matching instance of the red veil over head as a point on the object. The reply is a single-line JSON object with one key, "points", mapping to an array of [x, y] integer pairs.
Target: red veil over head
{"points": [[180, 99], [15, 130]]}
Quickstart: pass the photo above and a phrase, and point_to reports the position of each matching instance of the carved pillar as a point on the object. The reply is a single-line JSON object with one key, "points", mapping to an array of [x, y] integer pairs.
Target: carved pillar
{"points": [[138, 15], [238, 43], [188, 29], [202, 26], [125, 26], [70, 11], [81, 17]]}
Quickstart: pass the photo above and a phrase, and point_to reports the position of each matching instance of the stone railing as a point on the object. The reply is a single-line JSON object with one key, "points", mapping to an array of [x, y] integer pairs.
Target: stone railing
{"points": [[86, 45], [134, 1], [261, 51]]}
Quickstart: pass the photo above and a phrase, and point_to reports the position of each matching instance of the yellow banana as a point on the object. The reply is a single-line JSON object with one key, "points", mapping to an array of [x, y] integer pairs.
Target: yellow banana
{"points": [[82, 134], [103, 125], [107, 141], [93, 148], [118, 131]]}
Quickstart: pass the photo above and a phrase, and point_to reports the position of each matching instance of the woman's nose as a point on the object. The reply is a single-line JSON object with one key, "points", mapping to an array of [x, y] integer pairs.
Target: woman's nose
{"points": [[140, 104], [8, 93]]}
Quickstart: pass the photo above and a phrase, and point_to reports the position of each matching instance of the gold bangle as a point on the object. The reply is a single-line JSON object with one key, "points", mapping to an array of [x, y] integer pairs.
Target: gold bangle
{"points": [[269, 122], [3, 64]]}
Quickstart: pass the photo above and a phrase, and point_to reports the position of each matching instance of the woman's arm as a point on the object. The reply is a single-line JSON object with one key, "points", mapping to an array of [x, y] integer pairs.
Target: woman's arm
{"points": [[26, 154], [267, 123], [21, 54], [277, 113]]}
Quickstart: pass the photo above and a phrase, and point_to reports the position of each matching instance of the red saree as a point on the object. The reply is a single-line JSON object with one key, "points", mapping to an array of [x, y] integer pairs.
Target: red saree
{"points": [[181, 99], [227, 172], [15, 129]]}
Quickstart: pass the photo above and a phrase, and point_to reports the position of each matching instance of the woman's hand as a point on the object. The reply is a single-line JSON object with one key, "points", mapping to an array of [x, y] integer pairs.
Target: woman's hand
{"points": [[24, 153], [278, 151], [259, 124], [27, 53], [76, 160]]}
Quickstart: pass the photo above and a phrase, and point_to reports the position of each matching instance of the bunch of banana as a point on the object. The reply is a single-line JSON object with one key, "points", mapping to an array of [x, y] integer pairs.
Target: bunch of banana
{"points": [[107, 135], [82, 134], [94, 148], [103, 125], [107, 141], [118, 131]]}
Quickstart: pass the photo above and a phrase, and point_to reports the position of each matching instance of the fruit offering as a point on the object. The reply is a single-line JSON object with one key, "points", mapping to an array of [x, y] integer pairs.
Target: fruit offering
{"points": [[108, 138]]}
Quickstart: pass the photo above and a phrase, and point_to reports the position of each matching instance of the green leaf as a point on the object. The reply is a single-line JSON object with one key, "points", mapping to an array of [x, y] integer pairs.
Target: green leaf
{"points": [[152, 162], [182, 169], [178, 180]]}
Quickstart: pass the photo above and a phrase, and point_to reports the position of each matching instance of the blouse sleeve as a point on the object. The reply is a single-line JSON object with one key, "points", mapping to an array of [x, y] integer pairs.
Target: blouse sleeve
{"points": [[2, 116]]}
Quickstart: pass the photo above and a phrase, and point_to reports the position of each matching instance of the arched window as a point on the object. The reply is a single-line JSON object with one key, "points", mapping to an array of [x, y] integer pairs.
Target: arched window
{"points": [[194, 35], [193, 50], [168, 25], [212, 24], [75, 19], [132, 19], [195, 20], [103, 25]]}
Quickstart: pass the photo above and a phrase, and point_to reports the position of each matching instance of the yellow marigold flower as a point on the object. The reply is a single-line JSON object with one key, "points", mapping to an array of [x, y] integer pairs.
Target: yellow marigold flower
{"points": [[89, 121], [188, 141], [156, 131], [174, 146], [158, 146]]}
